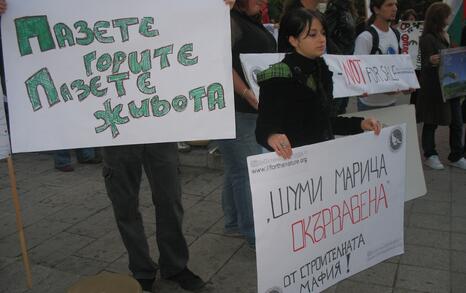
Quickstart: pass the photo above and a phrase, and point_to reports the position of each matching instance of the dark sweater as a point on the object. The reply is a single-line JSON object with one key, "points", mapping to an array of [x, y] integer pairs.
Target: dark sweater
{"points": [[248, 35], [299, 108]]}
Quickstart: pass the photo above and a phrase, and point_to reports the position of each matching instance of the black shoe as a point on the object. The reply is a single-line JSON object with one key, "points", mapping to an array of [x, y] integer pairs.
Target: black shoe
{"points": [[187, 280], [146, 284]]}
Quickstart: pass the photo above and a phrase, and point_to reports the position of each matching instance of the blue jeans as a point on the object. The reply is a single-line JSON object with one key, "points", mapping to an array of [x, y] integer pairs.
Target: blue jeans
{"points": [[364, 107], [63, 157], [236, 194]]}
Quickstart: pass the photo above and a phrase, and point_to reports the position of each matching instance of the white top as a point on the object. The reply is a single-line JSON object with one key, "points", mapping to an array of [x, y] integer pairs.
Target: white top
{"points": [[388, 44]]}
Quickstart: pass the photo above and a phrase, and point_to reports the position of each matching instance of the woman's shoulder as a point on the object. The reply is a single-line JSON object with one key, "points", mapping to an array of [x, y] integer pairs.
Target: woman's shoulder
{"points": [[276, 71]]}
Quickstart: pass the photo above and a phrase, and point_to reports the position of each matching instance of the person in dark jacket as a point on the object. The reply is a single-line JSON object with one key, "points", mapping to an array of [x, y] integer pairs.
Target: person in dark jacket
{"points": [[296, 94], [248, 36], [431, 108], [341, 16]]}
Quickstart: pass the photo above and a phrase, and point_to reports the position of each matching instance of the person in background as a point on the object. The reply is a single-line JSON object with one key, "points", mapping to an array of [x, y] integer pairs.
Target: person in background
{"points": [[310, 5], [248, 36], [383, 13], [409, 15], [62, 158], [341, 16], [433, 111], [122, 174], [296, 94]]}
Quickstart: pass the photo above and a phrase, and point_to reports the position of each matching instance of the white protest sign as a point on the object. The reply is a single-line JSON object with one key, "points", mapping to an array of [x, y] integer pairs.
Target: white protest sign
{"points": [[371, 74], [415, 180], [353, 75], [410, 32], [254, 63], [331, 211], [4, 141], [109, 72]]}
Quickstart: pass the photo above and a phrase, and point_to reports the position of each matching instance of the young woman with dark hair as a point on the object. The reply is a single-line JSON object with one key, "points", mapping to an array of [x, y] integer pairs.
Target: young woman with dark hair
{"points": [[296, 94], [431, 108]]}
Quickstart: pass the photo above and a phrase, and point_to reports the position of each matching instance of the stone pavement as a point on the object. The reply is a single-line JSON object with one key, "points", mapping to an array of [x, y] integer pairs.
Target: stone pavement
{"points": [[70, 231]]}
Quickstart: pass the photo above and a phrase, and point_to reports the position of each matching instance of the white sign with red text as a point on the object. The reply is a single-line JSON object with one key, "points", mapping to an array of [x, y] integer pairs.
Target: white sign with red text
{"points": [[332, 210], [371, 74], [410, 32], [353, 75]]}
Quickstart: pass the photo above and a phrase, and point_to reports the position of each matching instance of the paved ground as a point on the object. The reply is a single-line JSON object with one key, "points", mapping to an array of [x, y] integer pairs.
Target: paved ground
{"points": [[71, 232]]}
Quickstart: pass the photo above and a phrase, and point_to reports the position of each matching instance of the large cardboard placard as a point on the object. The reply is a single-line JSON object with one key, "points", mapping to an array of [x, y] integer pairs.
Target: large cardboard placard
{"points": [[332, 210], [352, 75], [410, 32], [415, 180], [109, 72], [452, 72]]}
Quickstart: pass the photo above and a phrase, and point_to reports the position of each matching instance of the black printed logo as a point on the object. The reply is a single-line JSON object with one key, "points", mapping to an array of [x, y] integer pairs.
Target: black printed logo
{"points": [[396, 139]]}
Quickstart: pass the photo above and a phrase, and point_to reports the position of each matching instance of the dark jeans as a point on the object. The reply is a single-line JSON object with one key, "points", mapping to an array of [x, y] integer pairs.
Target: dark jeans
{"points": [[456, 134], [122, 172]]}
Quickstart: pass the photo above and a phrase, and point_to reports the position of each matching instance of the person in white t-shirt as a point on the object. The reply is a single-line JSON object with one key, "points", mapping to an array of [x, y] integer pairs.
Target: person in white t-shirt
{"points": [[383, 13]]}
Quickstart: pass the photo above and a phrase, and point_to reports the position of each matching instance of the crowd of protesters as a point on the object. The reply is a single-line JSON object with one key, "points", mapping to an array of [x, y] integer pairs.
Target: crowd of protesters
{"points": [[296, 108]]}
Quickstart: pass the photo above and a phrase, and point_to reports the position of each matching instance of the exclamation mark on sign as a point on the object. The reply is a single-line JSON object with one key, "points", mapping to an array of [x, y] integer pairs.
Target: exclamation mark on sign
{"points": [[347, 262]]}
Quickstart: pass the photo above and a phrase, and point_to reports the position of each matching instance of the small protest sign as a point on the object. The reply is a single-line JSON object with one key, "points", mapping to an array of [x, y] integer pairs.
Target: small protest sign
{"points": [[324, 215], [410, 32], [371, 74], [352, 75], [452, 72], [97, 73]]}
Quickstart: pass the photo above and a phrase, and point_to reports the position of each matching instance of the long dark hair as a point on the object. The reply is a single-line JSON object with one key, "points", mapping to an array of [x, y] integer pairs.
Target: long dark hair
{"points": [[436, 15], [241, 6], [295, 22], [345, 4], [291, 5]]}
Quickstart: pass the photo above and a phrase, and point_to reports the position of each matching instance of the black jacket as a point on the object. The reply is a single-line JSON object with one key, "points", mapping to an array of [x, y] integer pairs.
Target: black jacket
{"points": [[296, 100], [341, 27]]}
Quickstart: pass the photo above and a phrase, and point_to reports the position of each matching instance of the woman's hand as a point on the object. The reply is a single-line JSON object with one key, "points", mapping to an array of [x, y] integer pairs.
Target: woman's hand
{"points": [[435, 59], [251, 98], [230, 3], [2, 6], [370, 124], [281, 145]]}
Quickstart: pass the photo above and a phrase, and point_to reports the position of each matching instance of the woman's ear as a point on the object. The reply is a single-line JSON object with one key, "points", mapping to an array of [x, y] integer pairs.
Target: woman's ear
{"points": [[293, 41]]}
